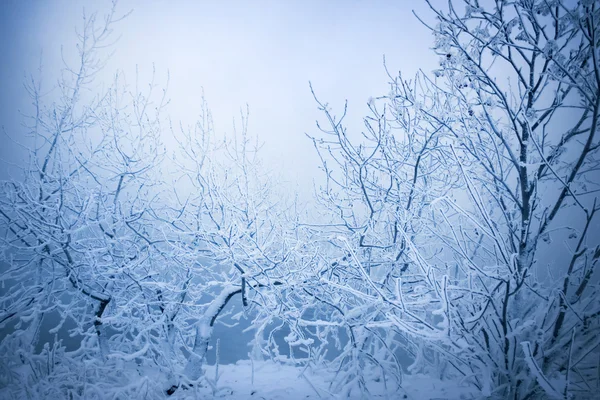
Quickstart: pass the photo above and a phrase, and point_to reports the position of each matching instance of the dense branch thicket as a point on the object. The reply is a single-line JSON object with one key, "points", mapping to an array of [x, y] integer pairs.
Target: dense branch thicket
{"points": [[468, 208], [456, 235], [131, 252]]}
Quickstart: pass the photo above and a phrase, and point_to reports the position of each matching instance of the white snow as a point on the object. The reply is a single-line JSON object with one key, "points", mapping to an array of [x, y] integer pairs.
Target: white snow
{"points": [[272, 381]]}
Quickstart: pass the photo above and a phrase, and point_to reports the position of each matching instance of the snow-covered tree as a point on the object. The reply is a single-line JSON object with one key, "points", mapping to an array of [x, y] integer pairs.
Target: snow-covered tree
{"points": [[230, 221], [464, 218], [456, 235], [132, 252]]}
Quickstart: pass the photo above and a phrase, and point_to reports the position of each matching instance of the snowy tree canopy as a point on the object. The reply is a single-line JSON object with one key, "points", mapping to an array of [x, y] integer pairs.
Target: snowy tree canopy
{"points": [[453, 238]]}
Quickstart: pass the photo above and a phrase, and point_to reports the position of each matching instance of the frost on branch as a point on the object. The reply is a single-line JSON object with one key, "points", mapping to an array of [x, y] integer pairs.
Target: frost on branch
{"points": [[133, 253], [450, 194]]}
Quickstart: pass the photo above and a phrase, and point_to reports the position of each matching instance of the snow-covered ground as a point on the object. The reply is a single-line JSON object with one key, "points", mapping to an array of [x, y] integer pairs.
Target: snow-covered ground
{"points": [[271, 381]]}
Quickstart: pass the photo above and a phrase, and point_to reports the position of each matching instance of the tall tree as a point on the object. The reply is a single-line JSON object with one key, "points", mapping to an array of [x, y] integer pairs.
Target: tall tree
{"points": [[130, 251], [468, 207]]}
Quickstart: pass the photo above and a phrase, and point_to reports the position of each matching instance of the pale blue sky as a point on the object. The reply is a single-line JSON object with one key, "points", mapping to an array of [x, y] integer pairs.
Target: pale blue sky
{"points": [[262, 53]]}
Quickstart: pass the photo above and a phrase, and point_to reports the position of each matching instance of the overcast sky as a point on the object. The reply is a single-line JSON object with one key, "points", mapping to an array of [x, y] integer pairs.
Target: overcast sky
{"points": [[260, 53]]}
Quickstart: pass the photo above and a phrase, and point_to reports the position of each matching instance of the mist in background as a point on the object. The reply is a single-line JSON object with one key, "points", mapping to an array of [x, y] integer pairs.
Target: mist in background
{"points": [[259, 54]]}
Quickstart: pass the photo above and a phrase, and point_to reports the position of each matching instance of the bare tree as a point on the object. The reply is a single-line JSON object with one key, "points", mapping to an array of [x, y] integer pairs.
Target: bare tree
{"points": [[458, 230], [231, 223], [80, 234], [468, 207], [137, 254]]}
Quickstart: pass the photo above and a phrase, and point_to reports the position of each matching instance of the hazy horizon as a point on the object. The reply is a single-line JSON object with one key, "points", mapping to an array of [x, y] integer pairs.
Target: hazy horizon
{"points": [[261, 55]]}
